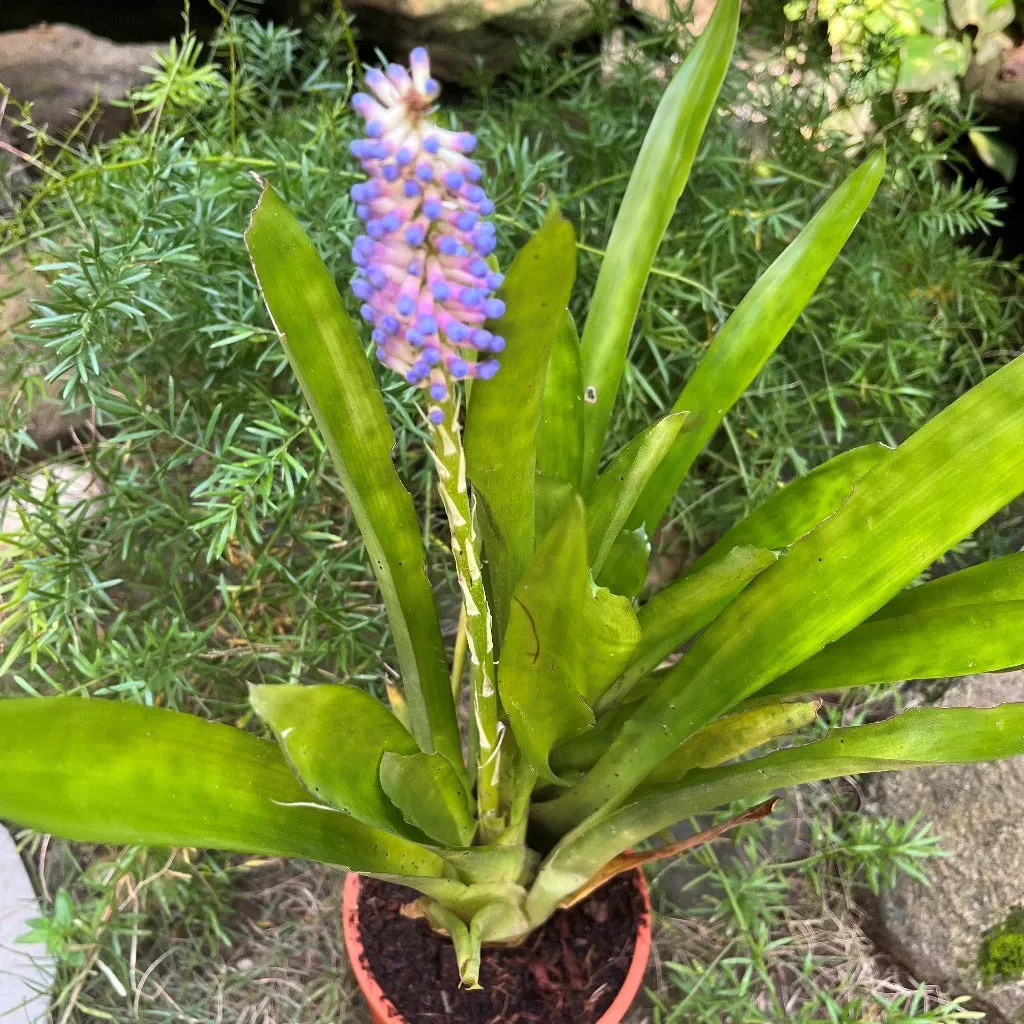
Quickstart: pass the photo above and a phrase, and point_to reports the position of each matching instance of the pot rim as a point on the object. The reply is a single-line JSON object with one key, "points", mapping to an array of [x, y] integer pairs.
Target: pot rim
{"points": [[383, 1011]]}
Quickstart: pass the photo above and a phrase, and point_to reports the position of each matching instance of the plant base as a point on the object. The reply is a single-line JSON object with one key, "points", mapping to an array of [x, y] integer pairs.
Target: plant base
{"points": [[584, 966]]}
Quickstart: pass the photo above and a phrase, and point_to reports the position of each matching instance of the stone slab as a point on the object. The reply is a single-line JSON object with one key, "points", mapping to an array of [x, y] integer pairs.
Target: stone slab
{"points": [[26, 974], [975, 810]]}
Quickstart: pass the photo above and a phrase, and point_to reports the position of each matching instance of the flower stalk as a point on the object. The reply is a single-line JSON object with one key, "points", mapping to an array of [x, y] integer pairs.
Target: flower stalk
{"points": [[450, 459], [427, 289]]}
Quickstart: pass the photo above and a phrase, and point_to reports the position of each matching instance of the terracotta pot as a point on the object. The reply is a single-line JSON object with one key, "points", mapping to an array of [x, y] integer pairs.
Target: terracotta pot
{"points": [[382, 1011]]}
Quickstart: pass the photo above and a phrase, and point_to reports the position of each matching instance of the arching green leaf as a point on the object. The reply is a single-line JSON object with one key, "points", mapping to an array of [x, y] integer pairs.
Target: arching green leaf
{"points": [[560, 440], [922, 737], [334, 737], [107, 772], [504, 416], [328, 358], [799, 506], [658, 179], [430, 793], [677, 613], [932, 644], [755, 330], [1001, 579], [566, 640], [617, 489]]}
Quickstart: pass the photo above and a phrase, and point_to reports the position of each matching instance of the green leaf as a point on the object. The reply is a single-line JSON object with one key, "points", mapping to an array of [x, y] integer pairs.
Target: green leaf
{"points": [[493, 863], [617, 489], [625, 569], [799, 506], [934, 644], [431, 795], [732, 735], [334, 737], [995, 153], [755, 329], [553, 497], [328, 359], [927, 63], [565, 642], [924, 498], [504, 415], [682, 609], [560, 439], [658, 179], [931, 15], [106, 772], [915, 738], [1001, 579], [582, 752]]}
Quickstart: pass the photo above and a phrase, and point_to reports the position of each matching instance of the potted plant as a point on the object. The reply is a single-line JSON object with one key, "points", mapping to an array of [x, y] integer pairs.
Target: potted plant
{"points": [[581, 737]]}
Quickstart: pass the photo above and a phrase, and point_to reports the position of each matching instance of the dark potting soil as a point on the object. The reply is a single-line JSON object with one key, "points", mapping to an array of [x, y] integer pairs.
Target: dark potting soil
{"points": [[567, 972]]}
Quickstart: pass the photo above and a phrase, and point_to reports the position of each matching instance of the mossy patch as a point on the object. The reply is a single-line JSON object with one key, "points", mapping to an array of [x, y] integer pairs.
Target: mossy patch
{"points": [[1001, 956]]}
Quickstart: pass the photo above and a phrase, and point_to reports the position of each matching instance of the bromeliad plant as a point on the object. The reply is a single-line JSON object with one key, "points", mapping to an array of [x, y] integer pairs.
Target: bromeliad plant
{"points": [[582, 737]]}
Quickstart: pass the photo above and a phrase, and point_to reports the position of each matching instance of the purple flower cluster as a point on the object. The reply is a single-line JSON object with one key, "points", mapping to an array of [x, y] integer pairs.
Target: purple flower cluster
{"points": [[423, 278]]}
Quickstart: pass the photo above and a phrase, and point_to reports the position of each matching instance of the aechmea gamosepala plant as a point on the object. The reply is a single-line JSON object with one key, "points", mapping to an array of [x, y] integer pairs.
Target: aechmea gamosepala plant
{"points": [[587, 735]]}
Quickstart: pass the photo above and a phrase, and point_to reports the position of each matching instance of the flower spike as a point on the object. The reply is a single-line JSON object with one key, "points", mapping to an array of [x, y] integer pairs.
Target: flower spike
{"points": [[423, 277]]}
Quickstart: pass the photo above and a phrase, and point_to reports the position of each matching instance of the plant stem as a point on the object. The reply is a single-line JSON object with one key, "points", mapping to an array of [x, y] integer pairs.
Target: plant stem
{"points": [[451, 470]]}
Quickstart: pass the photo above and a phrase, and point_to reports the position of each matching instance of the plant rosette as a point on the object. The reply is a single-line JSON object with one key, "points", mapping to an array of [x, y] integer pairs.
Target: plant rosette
{"points": [[536, 969], [599, 715]]}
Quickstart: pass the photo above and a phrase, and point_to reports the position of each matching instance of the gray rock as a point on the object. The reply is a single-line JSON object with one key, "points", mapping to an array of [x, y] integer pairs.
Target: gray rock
{"points": [[62, 70], [26, 973], [464, 35], [48, 423], [998, 86], [937, 931]]}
